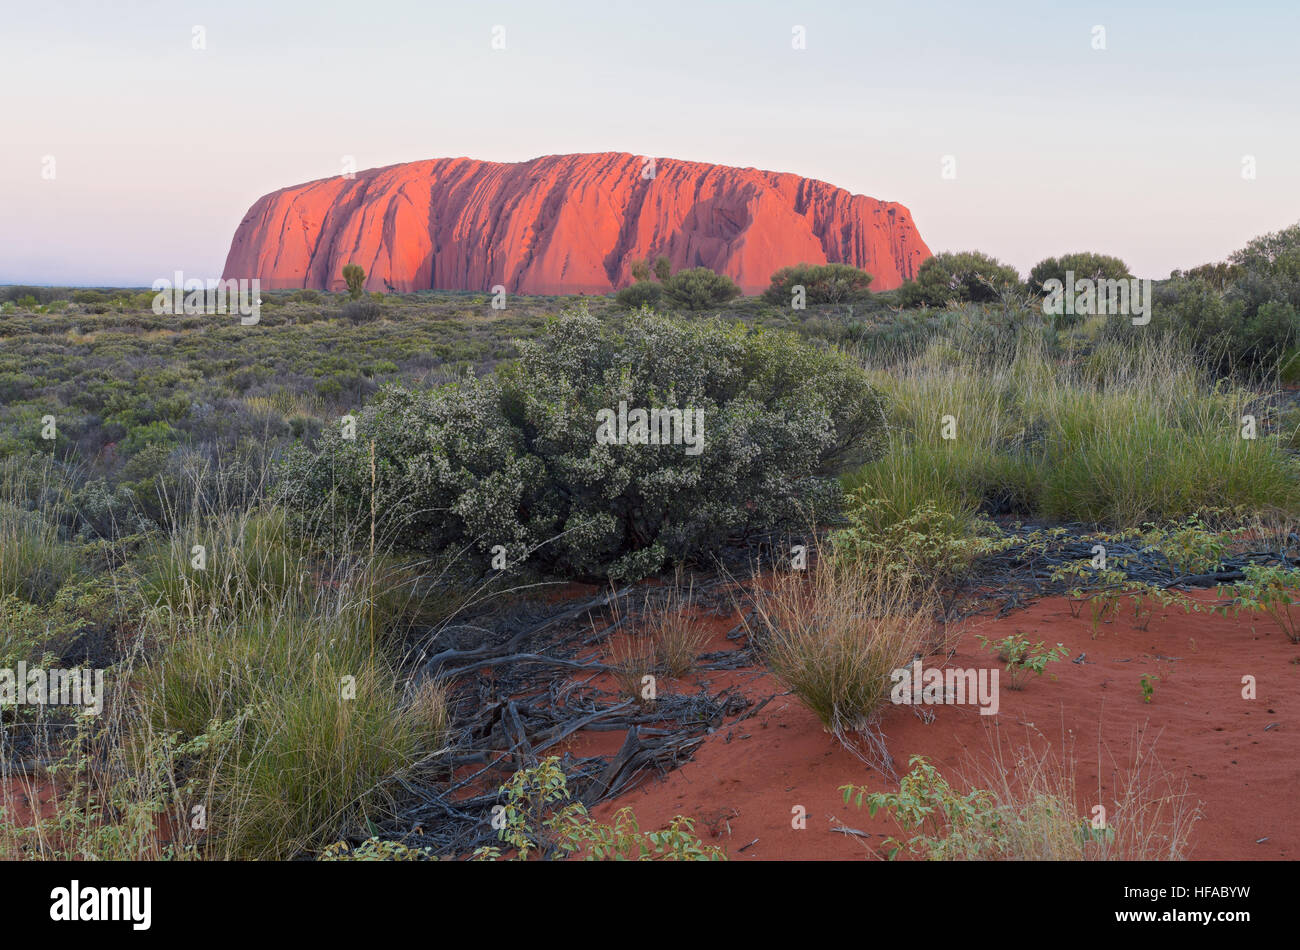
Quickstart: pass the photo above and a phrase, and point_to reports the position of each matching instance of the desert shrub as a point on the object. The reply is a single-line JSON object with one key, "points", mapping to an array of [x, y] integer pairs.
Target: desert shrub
{"points": [[1022, 657], [834, 635], [513, 458], [1085, 265], [1234, 336], [644, 293], [1243, 317], [15, 386], [1190, 547], [362, 311], [1028, 810], [1141, 434], [247, 558], [318, 719], [111, 797], [540, 816], [699, 289], [27, 296], [375, 849], [35, 561], [26, 635], [1218, 275], [928, 541], [961, 277], [822, 284], [355, 278], [1272, 590]]}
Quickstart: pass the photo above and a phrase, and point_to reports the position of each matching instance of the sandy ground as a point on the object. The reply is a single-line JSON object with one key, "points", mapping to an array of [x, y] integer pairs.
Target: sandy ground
{"points": [[1240, 756]]}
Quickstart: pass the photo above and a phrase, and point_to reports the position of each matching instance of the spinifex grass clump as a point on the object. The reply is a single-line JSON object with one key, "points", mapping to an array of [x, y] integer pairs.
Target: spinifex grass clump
{"points": [[321, 719], [674, 630], [631, 660], [35, 558], [293, 649], [835, 633], [1125, 436], [236, 561], [663, 639]]}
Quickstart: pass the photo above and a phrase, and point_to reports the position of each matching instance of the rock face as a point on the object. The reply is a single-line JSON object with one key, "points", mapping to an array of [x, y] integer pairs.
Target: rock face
{"points": [[564, 224]]}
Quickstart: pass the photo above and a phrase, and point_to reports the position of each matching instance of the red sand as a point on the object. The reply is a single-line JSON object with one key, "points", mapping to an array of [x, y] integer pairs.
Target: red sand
{"points": [[745, 779], [19, 793]]}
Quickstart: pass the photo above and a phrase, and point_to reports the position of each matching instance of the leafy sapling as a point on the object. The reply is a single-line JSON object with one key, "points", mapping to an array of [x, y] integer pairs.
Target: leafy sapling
{"points": [[1022, 658], [1273, 590], [1149, 681]]}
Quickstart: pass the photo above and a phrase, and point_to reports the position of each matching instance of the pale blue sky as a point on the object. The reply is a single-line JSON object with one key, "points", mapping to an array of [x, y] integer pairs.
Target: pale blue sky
{"points": [[1136, 150]]}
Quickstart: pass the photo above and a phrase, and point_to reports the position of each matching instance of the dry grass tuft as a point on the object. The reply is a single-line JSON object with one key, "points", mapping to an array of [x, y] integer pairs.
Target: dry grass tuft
{"points": [[835, 633]]}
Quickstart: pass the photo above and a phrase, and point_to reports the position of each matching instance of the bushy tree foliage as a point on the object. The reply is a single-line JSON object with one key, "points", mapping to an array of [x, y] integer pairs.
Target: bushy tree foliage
{"points": [[355, 278], [644, 293], [699, 288], [822, 284], [1218, 275], [1243, 316], [1085, 265], [958, 276], [512, 458]]}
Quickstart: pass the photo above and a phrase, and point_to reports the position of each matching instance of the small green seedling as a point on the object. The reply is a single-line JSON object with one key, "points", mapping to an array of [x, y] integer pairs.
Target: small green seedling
{"points": [[1146, 597], [1077, 599], [1022, 658], [1149, 681]]}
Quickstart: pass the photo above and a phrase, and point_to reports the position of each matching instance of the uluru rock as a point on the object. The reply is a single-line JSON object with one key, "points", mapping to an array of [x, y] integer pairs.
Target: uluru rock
{"points": [[564, 224]]}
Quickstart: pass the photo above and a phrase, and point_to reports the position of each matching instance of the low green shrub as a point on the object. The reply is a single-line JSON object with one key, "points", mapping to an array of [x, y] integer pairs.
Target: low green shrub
{"points": [[699, 289], [644, 293], [822, 284], [513, 459], [958, 277], [928, 541], [540, 816]]}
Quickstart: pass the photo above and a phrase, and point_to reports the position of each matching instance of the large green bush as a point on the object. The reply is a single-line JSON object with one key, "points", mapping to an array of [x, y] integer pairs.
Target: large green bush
{"points": [[822, 284], [1085, 265], [644, 293], [1241, 318], [958, 277], [512, 458], [699, 289]]}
